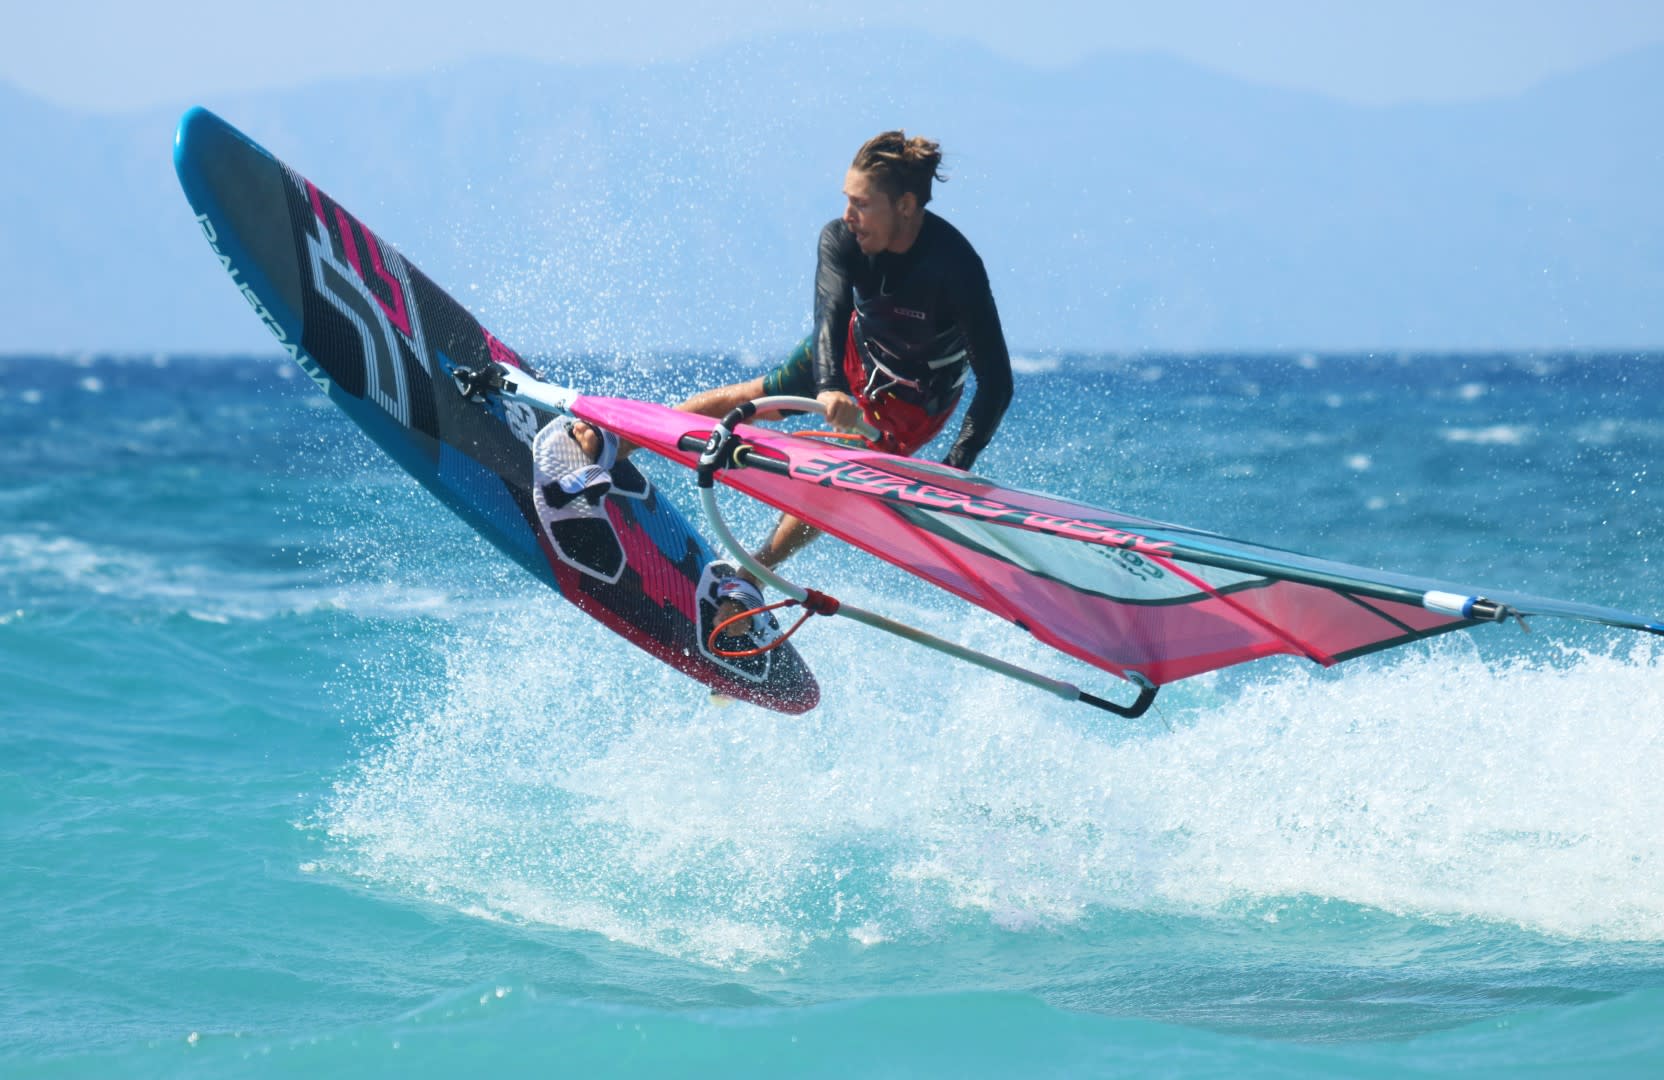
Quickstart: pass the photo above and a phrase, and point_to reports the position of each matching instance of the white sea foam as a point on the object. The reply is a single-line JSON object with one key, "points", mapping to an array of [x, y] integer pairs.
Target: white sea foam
{"points": [[606, 796], [1493, 435], [1035, 365]]}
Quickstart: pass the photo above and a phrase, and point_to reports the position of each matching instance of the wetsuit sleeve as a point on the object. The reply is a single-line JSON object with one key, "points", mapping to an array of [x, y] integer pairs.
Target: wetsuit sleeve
{"points": [[990, 363], [834, 303]]}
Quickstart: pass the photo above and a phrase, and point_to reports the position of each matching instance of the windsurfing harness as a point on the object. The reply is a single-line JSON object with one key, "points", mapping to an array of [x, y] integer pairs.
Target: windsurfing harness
{"points": [[900, 333], [891, 401]]}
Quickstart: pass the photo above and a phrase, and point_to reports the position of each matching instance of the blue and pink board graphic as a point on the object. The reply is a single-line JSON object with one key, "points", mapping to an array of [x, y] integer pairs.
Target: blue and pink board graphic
{"points": [[382, 341]]}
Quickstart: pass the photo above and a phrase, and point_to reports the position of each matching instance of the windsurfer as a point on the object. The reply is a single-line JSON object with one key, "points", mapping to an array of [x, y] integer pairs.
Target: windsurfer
{"points": [[903, 312]]}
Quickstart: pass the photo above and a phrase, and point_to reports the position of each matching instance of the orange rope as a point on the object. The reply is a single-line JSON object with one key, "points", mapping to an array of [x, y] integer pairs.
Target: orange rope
{"points": [[846, 436], [814, 602], [735, 654]]}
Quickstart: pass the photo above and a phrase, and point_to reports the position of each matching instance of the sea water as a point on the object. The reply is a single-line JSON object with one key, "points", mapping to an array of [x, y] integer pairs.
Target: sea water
{"points": [[298, 775]]}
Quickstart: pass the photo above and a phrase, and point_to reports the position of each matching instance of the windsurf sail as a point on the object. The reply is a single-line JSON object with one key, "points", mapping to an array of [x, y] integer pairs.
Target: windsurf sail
{"points": [[1148, 601]]}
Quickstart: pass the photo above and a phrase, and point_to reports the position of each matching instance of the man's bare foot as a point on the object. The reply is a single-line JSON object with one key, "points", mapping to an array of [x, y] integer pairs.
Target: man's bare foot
{"points": [[587, 438]]}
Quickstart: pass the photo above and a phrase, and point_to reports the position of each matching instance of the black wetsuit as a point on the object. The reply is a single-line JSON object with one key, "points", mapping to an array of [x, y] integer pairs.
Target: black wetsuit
{"points": [[922, 320]]}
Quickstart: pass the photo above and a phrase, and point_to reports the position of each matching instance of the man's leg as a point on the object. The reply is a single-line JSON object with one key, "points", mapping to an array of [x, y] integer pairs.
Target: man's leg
{"points": [[794, 377], [724, 399], [713, 403], [790, 537]]}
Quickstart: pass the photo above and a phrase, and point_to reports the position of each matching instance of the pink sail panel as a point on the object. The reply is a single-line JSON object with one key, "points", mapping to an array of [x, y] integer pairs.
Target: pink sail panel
{"points": [[1113, 590]]}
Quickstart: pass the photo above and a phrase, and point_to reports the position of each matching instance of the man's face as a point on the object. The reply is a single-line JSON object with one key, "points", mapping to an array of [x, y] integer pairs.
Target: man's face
{"points": [[870, 213]]}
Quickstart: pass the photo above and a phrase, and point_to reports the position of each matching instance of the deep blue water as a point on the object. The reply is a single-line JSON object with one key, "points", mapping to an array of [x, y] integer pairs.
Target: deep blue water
{"points": [[296, 774]]}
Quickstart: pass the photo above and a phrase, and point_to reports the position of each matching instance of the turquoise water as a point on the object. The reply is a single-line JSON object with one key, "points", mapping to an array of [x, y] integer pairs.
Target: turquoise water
{"points": [[297, 774]]}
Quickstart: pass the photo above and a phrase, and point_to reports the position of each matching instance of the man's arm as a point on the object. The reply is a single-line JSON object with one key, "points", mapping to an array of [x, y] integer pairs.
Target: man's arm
{"points": [[990, 363], [834, 303]]}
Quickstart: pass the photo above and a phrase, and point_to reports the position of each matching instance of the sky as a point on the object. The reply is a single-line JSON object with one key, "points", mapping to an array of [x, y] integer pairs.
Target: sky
{"points": [[99, 56]]}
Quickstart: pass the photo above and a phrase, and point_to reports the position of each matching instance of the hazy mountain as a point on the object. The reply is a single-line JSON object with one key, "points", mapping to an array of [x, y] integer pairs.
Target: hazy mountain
{"points": [[1128, 202]]}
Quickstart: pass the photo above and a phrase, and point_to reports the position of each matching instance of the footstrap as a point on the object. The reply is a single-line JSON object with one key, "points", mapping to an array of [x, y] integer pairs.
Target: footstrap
{"points": [[740, 590], [567, 473], [815, 603], [590, 482]]}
